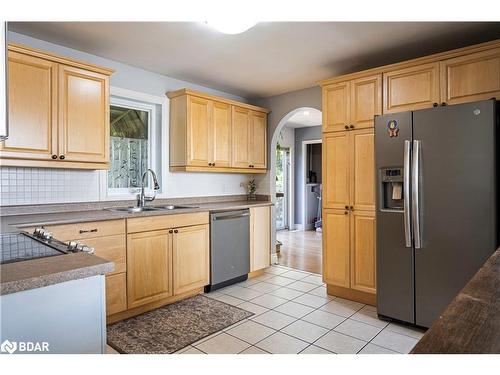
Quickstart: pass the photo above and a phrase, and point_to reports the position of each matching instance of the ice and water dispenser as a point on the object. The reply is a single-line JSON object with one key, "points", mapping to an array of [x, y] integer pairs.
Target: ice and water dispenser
{"points": [[392, 189]]}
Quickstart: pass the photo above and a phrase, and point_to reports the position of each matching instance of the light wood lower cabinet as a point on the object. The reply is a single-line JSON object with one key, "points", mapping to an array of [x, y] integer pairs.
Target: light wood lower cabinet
{"points": [[260, 238], [349, 251], [109, 242], [167, 262], [362, 251], [116, 293], [336, 267], [149, 267], [191, 258]]}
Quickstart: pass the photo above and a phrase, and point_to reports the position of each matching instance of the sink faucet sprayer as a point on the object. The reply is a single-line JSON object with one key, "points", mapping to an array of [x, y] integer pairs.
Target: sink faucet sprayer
{"points": [[143, 198]]}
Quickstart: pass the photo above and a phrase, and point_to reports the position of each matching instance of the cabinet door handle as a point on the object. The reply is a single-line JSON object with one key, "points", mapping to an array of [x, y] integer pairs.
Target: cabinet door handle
{"points": [[351, 126], [351, 208], [170, 231], [346, 207], [88, 230], [345, 212], [62, 157], [346, 127], [176, 231], [213, 164], [54, 156]]}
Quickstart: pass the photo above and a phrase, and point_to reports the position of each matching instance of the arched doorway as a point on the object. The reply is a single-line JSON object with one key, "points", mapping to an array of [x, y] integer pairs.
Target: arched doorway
{"points": [[299, 119]]}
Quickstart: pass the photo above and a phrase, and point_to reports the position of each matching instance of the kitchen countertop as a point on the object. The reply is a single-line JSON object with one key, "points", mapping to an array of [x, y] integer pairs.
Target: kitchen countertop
{"points": [[471, 322], [36, 273]]}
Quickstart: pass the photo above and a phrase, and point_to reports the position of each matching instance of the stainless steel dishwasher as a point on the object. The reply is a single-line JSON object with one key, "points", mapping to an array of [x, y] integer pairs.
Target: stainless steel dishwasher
{"points": [[229, 248]]}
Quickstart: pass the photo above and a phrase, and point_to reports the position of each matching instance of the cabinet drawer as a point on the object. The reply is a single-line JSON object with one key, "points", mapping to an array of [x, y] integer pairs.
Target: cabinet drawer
{"points": [[82, 231], [116, 293], [112, 248], [143, 224]]}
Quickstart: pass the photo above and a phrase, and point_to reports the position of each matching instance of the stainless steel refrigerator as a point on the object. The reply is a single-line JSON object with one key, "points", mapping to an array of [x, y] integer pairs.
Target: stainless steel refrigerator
{"points": [[436, 206]]}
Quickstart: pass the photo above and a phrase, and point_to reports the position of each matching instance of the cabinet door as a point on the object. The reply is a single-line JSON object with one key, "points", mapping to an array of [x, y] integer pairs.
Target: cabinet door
{"points": [[366, 101], [336, 170], [260, 238], [83, 115], [258, 140], [336, 107], [362, 169], [363, 251], [471, 77], [190, 247], [336, 247], [221, 135], [240, 137], [411, 88], [149, 267], [116, 293], [199, 132], [32, 94]]}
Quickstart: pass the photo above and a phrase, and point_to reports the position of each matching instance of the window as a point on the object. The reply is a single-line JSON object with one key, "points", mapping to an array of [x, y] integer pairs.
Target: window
{"points": [[131, 144]]}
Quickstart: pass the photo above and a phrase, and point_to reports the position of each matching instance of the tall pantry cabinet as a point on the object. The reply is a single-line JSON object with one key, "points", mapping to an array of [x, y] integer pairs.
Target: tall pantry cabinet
{"points": [[348, 186]]}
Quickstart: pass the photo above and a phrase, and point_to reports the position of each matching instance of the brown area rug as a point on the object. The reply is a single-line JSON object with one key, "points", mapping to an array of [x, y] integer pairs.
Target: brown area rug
{"points": [[173, 327]]}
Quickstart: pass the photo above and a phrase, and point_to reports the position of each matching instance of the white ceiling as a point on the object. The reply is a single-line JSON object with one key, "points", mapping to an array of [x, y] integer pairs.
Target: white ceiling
{"points": [[304, 118], [269, 59]]}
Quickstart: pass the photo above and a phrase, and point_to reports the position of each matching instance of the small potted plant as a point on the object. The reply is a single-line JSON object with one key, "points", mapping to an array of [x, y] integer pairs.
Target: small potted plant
{"points": [[251, 187]]}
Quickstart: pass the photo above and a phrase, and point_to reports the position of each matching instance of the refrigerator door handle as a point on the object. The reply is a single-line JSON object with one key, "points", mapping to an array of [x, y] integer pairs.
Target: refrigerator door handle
{"points": [[415, 192], [406, 192]]}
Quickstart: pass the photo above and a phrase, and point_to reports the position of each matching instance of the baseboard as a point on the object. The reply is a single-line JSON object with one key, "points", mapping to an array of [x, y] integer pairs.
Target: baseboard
{"points": [[274, 258], [351, 294], [298, 227]]}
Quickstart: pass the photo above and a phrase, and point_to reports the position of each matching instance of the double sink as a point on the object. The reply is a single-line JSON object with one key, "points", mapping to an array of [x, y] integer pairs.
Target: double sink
{"points": [[150, 208]]}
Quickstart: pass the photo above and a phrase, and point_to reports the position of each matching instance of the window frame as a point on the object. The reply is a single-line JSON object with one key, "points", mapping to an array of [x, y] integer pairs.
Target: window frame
{"points": [[143, 102]]}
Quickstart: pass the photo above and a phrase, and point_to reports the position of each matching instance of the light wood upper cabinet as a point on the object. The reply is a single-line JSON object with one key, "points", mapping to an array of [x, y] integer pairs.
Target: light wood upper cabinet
{"points": [[336, 106], [352, 104], [258, 140], [362, 250], [260, 238], [149, 267], [221, 138], [199, 131], [336, 240], [83, 115], [32, 93], [241, 137], [191, 258], [213, 134], [58, 112], [411, 88], [366, 101], [471, 77], [362, 169], [336, 170]]}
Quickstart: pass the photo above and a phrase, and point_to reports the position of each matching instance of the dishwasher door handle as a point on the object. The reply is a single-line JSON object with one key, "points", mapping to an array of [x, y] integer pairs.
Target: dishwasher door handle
{"points": [[228, 217]]}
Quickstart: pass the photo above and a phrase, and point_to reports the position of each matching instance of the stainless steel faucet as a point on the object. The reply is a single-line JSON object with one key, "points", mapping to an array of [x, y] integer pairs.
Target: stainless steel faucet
{"points": [[143, 198]]}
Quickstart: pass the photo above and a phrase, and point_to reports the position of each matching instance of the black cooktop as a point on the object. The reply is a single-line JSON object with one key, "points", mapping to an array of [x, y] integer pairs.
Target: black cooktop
{"points": [[16, 247]]}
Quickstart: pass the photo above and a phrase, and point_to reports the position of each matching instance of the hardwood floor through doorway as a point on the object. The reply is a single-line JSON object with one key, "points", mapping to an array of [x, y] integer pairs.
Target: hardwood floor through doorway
{"points": [[300, 250]]}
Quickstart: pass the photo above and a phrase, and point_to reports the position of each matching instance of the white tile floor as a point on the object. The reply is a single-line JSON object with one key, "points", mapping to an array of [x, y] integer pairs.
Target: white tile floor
{"points": [[293, 314]]}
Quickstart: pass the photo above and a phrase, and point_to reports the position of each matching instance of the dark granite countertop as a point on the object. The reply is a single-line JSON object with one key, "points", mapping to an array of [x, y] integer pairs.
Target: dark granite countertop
{"points": [[471, 322], [36, 273]]}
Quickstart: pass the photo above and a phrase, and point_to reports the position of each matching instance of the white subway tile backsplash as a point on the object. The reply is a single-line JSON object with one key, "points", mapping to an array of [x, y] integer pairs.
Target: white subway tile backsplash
{"points": [[41, 186]]}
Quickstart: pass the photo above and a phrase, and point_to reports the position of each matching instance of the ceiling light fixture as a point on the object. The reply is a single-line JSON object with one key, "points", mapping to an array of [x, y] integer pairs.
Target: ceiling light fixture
{"points": [[231, 26], [306, 113]]}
